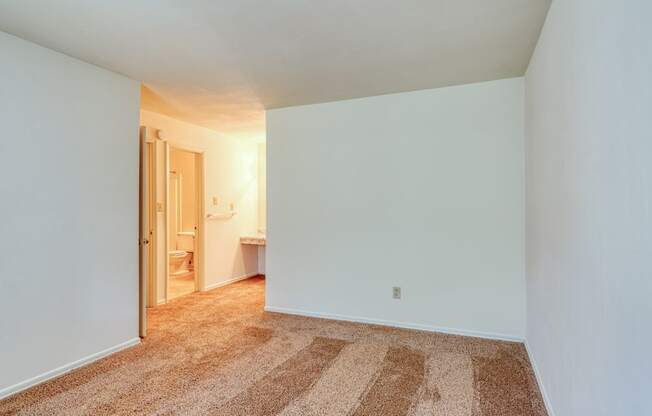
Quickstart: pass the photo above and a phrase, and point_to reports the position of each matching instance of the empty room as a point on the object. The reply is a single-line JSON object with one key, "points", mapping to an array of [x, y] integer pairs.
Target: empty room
{"points": [[316, 208]]}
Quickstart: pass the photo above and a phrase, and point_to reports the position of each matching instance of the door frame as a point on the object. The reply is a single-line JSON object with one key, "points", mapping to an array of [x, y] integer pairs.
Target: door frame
{"points": [[158, 159], [152, 281]]}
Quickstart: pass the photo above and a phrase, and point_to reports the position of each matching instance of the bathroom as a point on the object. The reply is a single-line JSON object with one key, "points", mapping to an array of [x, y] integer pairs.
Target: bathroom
{"points": [[182, 223]]}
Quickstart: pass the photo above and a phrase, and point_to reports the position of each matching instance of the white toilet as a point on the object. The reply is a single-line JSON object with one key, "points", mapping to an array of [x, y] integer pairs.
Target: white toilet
{"points": [[180, 260]]}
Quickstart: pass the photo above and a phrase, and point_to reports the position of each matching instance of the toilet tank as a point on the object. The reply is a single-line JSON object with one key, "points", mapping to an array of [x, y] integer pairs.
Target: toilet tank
{"points": [[186, 241]]}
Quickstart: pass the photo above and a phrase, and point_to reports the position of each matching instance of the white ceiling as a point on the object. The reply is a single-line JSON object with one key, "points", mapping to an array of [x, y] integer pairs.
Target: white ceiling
{"points": [[221, 63]]}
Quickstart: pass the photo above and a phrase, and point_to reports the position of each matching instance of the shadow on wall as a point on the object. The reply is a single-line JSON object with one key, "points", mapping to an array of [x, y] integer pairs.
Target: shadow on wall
{"points": [[249, 256]]}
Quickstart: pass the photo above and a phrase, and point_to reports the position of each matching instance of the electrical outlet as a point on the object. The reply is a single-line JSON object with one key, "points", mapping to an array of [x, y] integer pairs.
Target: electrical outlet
{"points": [[215, 201], [396, 292]]}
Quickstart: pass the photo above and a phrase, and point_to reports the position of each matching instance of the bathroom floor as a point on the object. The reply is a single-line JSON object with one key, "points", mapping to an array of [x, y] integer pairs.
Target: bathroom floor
{"points": [[181, 285]]}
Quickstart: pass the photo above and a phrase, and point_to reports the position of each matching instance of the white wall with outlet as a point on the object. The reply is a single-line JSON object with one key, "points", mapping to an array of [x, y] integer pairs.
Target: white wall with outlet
{"points": [[69, 192], [231, 183], [421, 190]]}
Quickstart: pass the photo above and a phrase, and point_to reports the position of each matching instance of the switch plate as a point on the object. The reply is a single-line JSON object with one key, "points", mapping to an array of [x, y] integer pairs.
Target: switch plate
{"points": [[396, 292]]}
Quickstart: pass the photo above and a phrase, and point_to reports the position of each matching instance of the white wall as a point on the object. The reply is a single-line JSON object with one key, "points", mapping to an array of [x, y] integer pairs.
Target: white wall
{"points": [[231, 176], [262, 201], [589, 219], [69, 209], [422, 190], [262, 187]]}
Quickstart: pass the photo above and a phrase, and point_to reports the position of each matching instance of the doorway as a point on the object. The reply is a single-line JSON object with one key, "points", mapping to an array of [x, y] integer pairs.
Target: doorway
{"points": [[171, 233], [182, 223]]}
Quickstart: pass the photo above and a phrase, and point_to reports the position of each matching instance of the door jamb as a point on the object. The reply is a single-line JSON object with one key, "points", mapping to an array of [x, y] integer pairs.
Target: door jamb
{"points": [[153, 212], [166, 210]]}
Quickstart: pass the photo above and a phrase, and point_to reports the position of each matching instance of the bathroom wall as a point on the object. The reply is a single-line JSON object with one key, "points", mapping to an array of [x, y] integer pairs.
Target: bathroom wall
{"points": [[173, 208], [69, 209], [421, 190], [262, 186], [231, 176], [589, 207], [262, 201], [183, 163]]}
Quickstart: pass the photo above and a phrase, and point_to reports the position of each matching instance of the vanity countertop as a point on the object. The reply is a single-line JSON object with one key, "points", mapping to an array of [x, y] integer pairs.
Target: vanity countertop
{"points": [[257, 240]]}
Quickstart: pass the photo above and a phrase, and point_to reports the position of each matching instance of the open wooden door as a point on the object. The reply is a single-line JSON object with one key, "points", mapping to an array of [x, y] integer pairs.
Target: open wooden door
{"points": [[145, 229]]}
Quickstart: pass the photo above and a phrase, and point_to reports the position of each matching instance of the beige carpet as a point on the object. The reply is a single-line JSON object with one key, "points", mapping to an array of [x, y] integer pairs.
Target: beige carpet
{"points": [[218, 353]]}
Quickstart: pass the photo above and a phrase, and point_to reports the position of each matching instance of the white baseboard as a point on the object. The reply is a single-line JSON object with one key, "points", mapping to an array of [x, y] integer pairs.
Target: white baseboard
{"points": [[228, 282], [542, 388], [23, 385], [406, 325]]}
